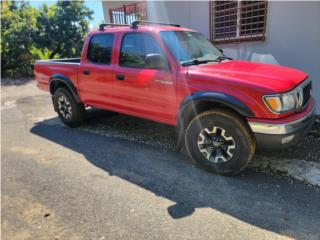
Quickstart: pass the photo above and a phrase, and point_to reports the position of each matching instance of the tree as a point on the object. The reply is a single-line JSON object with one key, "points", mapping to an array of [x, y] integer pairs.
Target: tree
{"points": [[62, 28], [18, 26], [52, 31]]}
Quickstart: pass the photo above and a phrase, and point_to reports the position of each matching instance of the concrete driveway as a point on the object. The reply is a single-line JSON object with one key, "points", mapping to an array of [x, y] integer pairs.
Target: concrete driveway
{"points": [[63, 183]]}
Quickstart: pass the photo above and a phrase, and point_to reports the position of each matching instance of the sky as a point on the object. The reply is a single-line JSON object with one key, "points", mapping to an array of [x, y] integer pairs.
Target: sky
{"points": [[94, 5]]}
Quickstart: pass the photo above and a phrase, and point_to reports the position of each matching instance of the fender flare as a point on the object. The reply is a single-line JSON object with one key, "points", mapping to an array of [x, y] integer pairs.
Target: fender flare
{"points": [[214, 98], [67, 82]]}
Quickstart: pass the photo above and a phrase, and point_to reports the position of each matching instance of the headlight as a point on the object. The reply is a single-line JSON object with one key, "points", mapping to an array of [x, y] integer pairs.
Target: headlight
{"points": [[285, 102]]}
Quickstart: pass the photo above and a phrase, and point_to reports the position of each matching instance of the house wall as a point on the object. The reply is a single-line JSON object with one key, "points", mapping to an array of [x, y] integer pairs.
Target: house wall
{"points": [[292, 33], [190, 14]]}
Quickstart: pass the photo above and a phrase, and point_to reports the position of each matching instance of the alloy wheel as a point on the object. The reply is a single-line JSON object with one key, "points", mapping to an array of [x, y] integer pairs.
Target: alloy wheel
{"points": [[216, 145], [64, 107]]}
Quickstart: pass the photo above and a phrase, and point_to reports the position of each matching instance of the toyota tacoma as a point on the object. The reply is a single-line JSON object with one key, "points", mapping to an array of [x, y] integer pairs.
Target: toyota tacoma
{"points": [[222, 108]]}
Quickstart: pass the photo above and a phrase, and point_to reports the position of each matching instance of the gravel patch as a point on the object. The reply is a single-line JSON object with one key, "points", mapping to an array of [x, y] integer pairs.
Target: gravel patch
{"points": [[304, 171], [130, 128]]}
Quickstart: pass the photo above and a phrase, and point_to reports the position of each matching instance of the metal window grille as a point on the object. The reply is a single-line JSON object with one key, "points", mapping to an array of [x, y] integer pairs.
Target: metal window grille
{"points": [[236, 21], [128, 13]]}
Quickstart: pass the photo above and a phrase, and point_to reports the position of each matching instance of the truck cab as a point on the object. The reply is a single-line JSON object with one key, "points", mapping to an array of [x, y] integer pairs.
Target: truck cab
{"points": [[222, 108]]}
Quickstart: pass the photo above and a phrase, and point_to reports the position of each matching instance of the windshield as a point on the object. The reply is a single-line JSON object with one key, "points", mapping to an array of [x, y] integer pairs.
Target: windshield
{"points": [[190, 46]]}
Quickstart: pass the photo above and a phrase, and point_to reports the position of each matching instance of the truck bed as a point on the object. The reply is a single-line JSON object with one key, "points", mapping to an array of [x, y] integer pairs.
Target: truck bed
{"points": [[45, 69], [60, 61]]}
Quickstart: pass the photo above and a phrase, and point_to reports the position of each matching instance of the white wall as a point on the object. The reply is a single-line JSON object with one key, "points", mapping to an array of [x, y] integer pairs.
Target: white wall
{"points": [[190, 14], [292, 35]]}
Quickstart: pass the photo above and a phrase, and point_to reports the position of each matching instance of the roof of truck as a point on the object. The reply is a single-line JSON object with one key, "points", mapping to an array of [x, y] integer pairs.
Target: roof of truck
{"points": [[145, 28], [151, 28]]}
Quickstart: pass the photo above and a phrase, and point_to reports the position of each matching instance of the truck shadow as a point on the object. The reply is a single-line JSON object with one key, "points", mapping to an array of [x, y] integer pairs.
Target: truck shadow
{"points": [[267, 202]]}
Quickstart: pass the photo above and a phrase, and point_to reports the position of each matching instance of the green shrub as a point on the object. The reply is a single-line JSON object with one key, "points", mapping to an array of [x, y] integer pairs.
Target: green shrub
{"points": [[27, 34], [18, 25]]}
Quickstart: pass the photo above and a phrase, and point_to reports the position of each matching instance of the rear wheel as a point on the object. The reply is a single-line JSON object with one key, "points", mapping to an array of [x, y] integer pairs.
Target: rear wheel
{"points": [[219, 141], [70, 112]]}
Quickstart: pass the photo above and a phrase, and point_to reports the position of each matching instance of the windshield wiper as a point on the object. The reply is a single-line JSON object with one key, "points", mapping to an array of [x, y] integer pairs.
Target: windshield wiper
{"points": [[197, 62], [221, 58]]}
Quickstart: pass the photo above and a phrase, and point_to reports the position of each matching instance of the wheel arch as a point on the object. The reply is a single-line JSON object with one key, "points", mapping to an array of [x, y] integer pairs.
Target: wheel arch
{"points": [[60, 80], [202, 101]]}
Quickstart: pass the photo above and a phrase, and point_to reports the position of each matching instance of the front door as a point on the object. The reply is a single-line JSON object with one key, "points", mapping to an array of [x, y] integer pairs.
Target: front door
{"points": [[140, 89]]}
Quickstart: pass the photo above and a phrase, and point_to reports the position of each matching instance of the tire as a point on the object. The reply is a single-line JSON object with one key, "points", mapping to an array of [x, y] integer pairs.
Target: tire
{"points": [[220, 142], [70, 112]]}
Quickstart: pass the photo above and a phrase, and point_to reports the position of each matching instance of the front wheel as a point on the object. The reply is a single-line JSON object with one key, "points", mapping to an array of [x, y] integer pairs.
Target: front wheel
{"points": [[70, 112], [220, 142]]}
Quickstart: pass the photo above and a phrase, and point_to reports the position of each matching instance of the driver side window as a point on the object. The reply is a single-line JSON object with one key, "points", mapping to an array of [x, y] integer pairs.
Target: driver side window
{"points": [[134, 49]]}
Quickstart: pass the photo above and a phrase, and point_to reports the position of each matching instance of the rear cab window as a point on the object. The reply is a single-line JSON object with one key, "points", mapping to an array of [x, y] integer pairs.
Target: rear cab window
{"points": [[100, 48]]}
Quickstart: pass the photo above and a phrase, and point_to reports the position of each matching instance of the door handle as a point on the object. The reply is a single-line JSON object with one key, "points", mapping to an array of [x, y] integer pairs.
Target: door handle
{"points": [[86, 72], [120, 77]]}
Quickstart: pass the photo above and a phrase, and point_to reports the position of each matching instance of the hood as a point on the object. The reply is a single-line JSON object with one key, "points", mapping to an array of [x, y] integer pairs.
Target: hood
{"points": [[273, 78]]}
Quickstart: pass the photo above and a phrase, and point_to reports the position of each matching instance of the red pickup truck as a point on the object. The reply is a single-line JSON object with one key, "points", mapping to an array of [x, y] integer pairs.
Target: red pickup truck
{"points": [[222, 108]]}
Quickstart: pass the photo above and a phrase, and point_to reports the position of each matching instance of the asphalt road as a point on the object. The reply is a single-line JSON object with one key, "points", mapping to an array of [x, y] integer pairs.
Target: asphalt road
{"points": [[63, 183]]}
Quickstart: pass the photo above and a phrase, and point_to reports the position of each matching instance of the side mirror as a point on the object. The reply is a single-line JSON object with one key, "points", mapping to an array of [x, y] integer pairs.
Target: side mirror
{"points": [[220, 50], [156, 61]]}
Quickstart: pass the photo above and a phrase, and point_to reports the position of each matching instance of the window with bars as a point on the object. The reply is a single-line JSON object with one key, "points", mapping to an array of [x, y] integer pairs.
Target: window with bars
{"points": [[128, 13], [235, 21]]}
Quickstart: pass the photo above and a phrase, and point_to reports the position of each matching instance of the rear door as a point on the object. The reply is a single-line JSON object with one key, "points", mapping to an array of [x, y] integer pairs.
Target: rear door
{"points": [[95, 74], [139, 90]]}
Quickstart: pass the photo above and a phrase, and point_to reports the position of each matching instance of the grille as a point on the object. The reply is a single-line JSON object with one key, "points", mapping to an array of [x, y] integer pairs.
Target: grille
{"points": [[306, 94]]}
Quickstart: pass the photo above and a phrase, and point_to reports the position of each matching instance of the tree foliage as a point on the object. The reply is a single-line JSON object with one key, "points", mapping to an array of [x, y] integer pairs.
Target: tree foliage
{"points": [[54, 31], [62, 27], [18, 25]]}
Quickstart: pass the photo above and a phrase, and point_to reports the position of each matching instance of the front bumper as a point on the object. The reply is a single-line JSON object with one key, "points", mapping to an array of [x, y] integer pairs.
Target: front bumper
{"points": [[283, 133]]}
